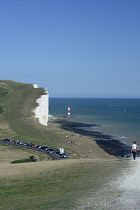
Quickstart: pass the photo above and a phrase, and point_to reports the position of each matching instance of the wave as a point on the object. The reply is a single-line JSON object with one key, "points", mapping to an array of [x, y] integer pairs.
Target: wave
{"points": [[117, 137]]}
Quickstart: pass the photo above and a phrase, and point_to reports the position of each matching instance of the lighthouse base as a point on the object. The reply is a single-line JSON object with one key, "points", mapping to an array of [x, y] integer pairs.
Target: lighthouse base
{"points": [[67, 115]]}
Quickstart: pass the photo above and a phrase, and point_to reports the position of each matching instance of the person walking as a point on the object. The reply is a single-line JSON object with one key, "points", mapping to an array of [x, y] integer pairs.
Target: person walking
{"points": [[134, 149]]}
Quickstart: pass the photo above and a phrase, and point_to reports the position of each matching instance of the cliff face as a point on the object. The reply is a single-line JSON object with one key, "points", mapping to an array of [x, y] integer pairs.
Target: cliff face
{"points": [[42, 111]]}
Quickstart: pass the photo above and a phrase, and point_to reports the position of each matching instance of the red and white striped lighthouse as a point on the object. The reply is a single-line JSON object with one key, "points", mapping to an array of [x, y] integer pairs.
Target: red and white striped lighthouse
{"points": [[68, 111]]}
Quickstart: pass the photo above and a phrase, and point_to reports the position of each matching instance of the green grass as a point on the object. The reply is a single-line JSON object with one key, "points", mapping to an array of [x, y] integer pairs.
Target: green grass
{"points": [[6, 148], [18, 106], [45, 184], [57, 189]]}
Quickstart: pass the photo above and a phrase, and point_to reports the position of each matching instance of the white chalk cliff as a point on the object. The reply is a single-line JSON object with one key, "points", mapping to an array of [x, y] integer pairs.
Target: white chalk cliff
{"points": [[42, 111]]}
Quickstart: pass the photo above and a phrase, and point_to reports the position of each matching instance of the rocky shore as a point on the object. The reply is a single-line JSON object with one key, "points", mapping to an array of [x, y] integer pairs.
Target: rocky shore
{"points": [[106, 142]]}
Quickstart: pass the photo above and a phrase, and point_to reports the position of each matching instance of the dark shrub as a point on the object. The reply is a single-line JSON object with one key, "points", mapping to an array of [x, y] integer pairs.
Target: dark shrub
{"points": [[30, 159]]}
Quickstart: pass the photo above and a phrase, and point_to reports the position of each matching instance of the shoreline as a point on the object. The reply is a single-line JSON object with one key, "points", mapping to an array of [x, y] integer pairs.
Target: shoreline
{"points": [[106, 142]]}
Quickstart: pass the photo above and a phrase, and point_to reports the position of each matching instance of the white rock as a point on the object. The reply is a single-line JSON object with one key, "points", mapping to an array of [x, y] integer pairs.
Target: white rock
{"points": [[42, 111]]}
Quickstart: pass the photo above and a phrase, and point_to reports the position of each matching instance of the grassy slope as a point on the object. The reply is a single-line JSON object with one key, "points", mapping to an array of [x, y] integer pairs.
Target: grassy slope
{"points": [[45, 185], [53, 185], [18, 114], [18, 105]]}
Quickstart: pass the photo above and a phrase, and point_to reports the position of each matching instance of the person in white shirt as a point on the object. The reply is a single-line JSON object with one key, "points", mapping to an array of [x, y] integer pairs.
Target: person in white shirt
{"points": [[134, 149]]}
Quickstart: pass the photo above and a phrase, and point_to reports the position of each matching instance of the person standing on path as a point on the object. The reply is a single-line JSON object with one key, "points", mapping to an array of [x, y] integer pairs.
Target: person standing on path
{"points": [[134, 149]]}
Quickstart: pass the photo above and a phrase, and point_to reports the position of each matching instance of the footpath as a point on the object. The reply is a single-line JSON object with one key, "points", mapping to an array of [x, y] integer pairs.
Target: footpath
{"points": [[129, 187], [122, 192]]}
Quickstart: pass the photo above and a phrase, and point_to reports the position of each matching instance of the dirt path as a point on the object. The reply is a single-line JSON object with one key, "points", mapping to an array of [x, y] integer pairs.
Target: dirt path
{"points": [[122, 192], [129, 186]]}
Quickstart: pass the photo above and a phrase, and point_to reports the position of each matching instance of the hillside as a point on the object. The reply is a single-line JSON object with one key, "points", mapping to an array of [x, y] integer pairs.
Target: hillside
{"points": [[17, 102], [45, 184], [18, 121]]}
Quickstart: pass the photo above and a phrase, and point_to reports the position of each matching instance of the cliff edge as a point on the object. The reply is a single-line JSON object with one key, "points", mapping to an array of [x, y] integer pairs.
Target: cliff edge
{"points": [[42, 110]]}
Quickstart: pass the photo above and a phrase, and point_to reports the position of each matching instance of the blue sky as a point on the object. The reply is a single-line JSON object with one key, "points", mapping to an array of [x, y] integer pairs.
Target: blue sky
{"points": [[73, 48]]}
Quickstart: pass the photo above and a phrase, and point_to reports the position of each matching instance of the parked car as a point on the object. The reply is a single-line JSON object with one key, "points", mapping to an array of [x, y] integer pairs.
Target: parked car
{"points": [[21, 143], [38, 146], [26, 144], [34, 146], [57, 151], [64, 155], [30, 144], [6, 140], [42, 147], [49, 150], [13, 141]]}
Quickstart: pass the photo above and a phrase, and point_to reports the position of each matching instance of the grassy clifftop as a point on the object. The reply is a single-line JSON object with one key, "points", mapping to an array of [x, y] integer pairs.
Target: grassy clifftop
{"points": [[16, 103]]}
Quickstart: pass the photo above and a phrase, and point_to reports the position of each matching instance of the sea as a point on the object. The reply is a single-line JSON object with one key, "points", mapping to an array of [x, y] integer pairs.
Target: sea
{"points": [[119, 118]]}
